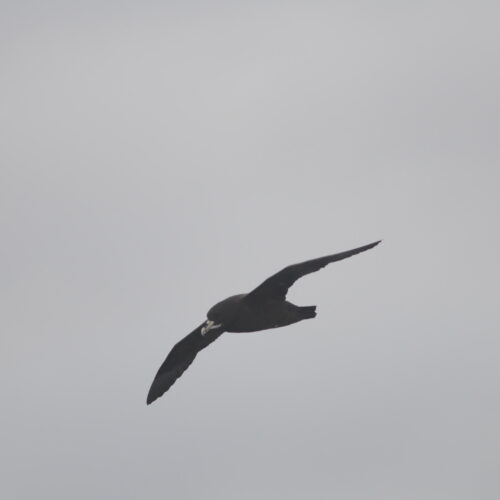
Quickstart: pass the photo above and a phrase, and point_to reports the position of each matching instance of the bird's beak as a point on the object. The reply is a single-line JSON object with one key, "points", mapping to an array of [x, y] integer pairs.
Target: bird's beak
{"points": [[209, 325]]}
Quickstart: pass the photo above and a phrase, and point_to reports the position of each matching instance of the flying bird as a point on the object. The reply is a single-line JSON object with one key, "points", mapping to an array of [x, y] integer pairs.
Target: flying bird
{"points": [[263, 308]]}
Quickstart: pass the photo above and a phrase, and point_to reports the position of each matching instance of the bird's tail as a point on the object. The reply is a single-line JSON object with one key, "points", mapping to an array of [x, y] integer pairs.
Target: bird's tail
{"points": [[308, 312]]}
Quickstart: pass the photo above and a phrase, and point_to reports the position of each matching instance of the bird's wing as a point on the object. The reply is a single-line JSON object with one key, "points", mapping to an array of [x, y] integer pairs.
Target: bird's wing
{"points": [[179, 358], [276, 287]]}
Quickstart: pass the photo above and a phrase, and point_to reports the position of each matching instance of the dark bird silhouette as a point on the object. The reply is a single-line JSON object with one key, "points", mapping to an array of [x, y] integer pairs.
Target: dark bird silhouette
{"points": [[263, 308]]}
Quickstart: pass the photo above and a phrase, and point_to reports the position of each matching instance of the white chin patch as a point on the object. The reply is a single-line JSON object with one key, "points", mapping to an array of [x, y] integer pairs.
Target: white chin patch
{"points": [[209, 325]]}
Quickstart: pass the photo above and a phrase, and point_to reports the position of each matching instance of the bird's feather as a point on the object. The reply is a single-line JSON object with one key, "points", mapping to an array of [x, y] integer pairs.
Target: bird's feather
{"points": [[179, 359], [276, 287]]}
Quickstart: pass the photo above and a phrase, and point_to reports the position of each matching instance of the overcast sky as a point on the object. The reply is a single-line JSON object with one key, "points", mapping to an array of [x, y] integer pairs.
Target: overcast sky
{"points": [[156, 157]]}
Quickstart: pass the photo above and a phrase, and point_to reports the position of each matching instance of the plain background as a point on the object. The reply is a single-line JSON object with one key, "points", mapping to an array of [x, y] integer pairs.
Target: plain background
{"points": [[157, 157]]}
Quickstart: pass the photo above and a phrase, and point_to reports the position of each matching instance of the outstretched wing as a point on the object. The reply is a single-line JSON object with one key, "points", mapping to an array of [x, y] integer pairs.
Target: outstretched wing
{"points": [[276, 287], [179, 358]]}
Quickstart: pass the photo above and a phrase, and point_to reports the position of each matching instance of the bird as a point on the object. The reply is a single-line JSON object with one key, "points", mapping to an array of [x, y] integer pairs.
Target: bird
{"points": [[263, 308]]}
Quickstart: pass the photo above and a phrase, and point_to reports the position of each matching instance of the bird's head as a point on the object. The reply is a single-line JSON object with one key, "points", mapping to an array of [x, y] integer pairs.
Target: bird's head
{"points": [[222, 313]]}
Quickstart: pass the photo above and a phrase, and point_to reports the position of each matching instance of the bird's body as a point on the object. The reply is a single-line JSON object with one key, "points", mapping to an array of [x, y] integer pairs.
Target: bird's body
{"points": [[239, 313], [263, 308]]}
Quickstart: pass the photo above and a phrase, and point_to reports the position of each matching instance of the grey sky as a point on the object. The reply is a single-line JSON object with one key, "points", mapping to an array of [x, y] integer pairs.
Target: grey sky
{"points": [[158, 157]]}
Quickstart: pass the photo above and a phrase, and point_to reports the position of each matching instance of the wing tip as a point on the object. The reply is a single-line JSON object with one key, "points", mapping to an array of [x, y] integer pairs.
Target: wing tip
{"points": [[151, 398], [371, 245], [155, 392]]}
